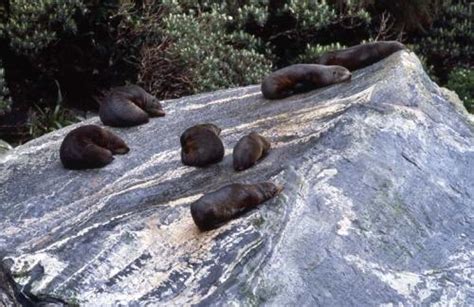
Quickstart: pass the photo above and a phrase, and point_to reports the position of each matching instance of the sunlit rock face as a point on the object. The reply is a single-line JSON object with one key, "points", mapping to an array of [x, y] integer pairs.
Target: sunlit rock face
{"points": [[4, 147], [377, 206]]}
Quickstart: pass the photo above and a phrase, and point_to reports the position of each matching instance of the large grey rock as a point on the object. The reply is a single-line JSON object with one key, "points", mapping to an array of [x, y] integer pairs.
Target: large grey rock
{"points": [[377, 206], [4, 147]]}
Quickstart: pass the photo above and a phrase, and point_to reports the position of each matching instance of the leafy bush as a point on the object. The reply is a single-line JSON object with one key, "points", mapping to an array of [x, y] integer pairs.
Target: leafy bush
{"points": [[83, 45], [311, 14], [206, 53], [450, 41], [461, 81], [5, 100], [407, 15], [32, 25], [47, 119], [313, 52]]}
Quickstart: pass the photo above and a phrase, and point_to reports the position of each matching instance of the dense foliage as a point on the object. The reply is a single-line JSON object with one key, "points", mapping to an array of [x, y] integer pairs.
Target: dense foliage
{"points": [[32, 25], [461, 81], [449, 43], [5, 100], [206, 53], [177, 47]]}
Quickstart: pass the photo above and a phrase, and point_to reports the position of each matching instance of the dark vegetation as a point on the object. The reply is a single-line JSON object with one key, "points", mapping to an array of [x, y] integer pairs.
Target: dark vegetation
{"points": [[57, 55]]}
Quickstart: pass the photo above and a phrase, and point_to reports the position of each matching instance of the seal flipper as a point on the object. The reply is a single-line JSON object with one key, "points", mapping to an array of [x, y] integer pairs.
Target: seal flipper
{"points": [[95, 156], [115, 144], [155, 112]]}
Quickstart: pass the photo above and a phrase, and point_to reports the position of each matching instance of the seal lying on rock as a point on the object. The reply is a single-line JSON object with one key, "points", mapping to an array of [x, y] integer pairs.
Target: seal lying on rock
{"points": [[249, 150], [90, 146], [201, 145], [300, 78], [215, 208], [127, 106], [360, 56]]}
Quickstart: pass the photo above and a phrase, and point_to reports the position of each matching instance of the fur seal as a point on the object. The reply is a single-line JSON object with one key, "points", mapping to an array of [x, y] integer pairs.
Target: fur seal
{"points": [[300, 78], [215, 208], [249, 150], [90, 146], [360, 56], [201, 145], [127, 106]]}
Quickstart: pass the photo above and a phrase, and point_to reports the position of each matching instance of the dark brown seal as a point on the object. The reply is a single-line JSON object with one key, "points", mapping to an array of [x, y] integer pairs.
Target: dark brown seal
{"points": [[300, 78], [215, 208], [127, 106], [249, 150], [90, 146], [201, 145], [360, 56]]}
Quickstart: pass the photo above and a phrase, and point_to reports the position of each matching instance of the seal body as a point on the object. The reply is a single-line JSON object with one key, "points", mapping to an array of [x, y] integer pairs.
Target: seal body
{"points": [[90, 146], [249, 150], [201, 145], [300, 78], [127, 106], [360, 56], [215, 208]]}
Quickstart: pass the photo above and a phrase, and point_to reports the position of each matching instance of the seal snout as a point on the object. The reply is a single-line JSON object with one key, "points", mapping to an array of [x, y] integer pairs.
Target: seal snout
{"points": [[157, 113], [347, 76], [269, 189], [279, 189], [344, 74], [238, 168], [122, 150]]}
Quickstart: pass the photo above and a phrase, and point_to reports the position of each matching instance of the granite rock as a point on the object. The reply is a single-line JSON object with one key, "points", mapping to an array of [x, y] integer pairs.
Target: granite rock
{"points": [[377, 207]]}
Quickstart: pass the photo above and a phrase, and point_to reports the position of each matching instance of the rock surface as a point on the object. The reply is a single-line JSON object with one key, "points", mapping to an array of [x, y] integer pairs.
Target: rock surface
{"points": [[4, 147], [377, 206]]}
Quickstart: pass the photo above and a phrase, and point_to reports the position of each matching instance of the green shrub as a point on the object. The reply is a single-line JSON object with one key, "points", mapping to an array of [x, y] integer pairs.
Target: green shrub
{"points": [[47, 119], [313, 52], [461, 81], [450, 41], [407, 15], [207, 45], [32, 25], [85, 45], [310, 14], [5, 100]]}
